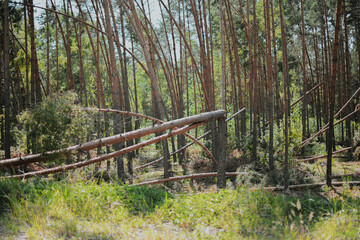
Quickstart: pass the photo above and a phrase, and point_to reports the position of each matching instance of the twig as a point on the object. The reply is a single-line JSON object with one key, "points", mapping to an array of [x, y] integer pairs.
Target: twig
{"points": [[187, 145], [178, 178], [324, 156], [312, 185]]}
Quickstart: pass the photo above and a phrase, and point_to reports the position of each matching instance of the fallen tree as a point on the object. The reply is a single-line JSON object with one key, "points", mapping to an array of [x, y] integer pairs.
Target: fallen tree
{"points": [[194, 140], [203, 117], [324, 156], [178, 178], [187, 145], [326, 127], [108, 156], [312, 185]]}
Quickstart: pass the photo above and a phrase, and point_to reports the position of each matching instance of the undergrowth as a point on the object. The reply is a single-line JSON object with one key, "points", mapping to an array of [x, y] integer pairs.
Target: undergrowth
{"points": [[86, 210]]}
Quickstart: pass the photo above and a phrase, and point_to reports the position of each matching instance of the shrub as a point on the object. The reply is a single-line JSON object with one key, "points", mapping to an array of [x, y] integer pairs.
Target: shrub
{"points": [[55, 123], [144, 199]]}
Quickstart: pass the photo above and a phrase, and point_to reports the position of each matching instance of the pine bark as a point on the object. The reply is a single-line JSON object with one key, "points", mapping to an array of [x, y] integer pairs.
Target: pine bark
{"points": [[270, 86], [36, 95], [286, 97], [330, 136], [47, 53], [202, 117], [69, 71], [115, 88], [6, 94], [305, 99], [158, 101], [255, 85]]}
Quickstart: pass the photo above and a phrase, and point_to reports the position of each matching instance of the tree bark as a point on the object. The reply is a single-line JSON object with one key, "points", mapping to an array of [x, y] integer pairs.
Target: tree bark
{"points": [[270, 87], [159, 105], [47, 53], [221, 161], [116, 90], [305, 84], [208, 116], [198, 175], [330, 136], [69, 71], [108, 156], [286, 98], [6, 78], [35, 77]]}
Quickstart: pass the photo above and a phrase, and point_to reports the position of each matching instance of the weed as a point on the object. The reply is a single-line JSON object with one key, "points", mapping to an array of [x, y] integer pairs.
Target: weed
{"points": [[88, 210], [143, 199]]}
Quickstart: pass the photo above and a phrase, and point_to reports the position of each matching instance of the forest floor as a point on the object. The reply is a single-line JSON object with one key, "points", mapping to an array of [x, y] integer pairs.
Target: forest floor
{"points": [[83, 207]]}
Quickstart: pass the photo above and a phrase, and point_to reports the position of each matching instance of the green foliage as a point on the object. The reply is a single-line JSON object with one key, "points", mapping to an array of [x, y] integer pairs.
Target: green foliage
{"points": [[64, 210], [55, 123], [61, 206], [356, 142], [143, 199]]}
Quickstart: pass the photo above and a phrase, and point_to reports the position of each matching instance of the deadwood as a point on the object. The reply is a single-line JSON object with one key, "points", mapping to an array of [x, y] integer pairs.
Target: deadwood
{"points": [[108, 156], [324, 156], [313, 185], [202, 117], [326, 127], [194, 140], [304, 143], [189, 144], [198, 175], [355, 174]]}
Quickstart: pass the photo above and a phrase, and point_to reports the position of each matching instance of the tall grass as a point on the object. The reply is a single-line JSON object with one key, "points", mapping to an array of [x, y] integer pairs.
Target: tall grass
{"points": [[87, 210]]}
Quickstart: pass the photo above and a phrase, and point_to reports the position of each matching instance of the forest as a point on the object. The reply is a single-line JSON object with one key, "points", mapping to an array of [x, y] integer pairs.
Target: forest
{"points": [[188, 119]]}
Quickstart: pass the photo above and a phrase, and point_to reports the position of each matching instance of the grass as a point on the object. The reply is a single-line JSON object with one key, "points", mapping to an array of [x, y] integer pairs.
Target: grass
{"points": [[86, 210]]}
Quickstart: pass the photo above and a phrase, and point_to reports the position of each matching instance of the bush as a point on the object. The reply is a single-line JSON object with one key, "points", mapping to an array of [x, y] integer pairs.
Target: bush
{"points": [[55, 123], [144, 199]]}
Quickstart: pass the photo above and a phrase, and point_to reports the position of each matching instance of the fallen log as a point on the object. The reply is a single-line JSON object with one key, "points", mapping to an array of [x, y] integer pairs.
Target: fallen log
{"points": [[312, 185], [305, 142], [324, 156], [178, 178], [108, 156], [158, 121], [187, 145], [356, 174], [307, 93], [203, 117], [280, 115], [326, 127]]}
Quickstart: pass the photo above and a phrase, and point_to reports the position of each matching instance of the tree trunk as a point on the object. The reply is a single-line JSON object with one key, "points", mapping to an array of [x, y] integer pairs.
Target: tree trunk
{"points": [[275, 72], [69, 73], [348, 83], [47, 53], [286, 98], [6, 95], [270, 86], [116, 91], [255, 85], [159, 105], [35, 77], [330, 136], [238, 73], [305, 99], [27, 94]]}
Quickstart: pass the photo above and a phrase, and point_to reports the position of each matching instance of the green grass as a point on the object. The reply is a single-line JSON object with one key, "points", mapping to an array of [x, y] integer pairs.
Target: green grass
{"points": [[86, 210]]}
